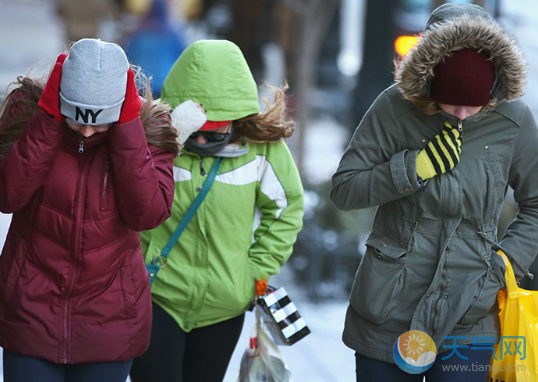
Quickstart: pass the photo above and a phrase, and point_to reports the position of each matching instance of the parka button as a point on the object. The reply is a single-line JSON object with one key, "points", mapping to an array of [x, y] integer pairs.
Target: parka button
{"points": [[383, 244], [198, 189], [445, 296], [486, 147], [406, 190]]}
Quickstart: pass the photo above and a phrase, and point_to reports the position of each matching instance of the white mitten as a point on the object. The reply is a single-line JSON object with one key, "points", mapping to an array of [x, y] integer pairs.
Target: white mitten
{"points": [[187, 118]]}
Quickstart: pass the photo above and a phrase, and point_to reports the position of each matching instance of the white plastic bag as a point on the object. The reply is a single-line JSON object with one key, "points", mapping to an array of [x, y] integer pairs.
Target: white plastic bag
{"points": [[262, 361]]}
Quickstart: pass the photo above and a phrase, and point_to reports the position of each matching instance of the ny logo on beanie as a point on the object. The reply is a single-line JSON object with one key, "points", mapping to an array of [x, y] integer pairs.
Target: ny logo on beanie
{"points": [[84, 115]]}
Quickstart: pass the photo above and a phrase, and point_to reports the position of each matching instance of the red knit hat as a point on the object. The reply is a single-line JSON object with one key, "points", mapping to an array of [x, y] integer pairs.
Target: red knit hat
{"points": [[212, 125], [465, 79]]}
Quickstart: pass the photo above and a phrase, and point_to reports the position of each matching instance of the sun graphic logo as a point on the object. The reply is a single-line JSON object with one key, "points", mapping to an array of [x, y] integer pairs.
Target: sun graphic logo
{"points": [[414, 352]]}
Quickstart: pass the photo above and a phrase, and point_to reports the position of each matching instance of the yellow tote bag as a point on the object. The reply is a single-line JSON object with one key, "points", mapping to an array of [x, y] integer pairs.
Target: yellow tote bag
{"points": [[516, 355]]}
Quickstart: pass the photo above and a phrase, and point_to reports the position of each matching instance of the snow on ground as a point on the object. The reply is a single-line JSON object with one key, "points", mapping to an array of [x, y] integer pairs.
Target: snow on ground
{"points": [[319, 357]]}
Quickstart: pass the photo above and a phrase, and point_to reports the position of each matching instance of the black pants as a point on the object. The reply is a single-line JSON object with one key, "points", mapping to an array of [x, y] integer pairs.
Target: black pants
{"points": [[202, 354], [20, 368]]}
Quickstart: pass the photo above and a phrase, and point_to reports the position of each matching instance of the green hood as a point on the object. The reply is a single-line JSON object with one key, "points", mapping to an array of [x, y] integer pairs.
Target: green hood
{"points": [[215, 74]]}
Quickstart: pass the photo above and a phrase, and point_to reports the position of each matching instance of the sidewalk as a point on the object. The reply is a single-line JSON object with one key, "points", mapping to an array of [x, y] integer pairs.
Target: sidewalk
{"points": [[30, 33], [319, 357]]}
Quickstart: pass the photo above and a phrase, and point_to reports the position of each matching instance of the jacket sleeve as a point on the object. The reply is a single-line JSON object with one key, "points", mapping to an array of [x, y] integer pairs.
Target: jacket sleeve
{"points": [[279, 198], [143, 177], [521, 237], [25, 166], [373, 170]]}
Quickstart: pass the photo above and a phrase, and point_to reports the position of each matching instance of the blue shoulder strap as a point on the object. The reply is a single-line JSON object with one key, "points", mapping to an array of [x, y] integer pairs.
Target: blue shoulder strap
{"points": [[192, 209]]}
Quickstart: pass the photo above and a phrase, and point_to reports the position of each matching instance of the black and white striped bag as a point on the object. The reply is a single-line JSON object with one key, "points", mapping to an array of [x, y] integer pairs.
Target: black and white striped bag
{"points": [[281, 317]]}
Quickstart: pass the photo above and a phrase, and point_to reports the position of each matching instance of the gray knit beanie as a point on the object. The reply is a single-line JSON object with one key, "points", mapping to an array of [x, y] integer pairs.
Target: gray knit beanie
{"points": [[94, 79]]}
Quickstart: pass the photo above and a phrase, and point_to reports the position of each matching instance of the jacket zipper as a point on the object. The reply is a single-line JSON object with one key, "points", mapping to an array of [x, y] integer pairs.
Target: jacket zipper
{"points": [[81, 147], [444, 273], [460, 125], [202, 171], [442, 295], [76, 249], [105, 181]]}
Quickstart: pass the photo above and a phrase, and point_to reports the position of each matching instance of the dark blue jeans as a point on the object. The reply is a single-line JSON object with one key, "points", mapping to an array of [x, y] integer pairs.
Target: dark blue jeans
{"points": [[448, 370], [20, 368]]}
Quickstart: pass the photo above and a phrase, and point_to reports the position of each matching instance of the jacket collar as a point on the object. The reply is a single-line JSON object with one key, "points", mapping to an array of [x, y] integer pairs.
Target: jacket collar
{"points": [[74, 143], [232, 150]]}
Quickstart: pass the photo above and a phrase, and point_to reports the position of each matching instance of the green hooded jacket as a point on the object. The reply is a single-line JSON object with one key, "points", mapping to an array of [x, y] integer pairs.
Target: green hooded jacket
{"points": [[212, 269], [430, 262]]}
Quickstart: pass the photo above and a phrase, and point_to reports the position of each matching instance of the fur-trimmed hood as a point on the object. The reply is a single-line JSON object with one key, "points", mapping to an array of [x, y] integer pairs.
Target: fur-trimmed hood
{"points": [[453, 27]]}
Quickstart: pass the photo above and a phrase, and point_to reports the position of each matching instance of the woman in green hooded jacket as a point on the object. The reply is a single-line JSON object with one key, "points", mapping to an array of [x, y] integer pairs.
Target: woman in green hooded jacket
{"points": [[243, 231], [436, 152]]}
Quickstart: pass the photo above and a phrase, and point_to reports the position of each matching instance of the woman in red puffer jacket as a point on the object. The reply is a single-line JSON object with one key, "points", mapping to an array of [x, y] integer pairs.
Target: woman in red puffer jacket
{"points": [[81, 176]]}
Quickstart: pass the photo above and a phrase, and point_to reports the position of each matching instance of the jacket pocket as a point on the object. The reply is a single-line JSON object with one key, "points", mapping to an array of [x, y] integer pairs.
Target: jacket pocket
{"points": [[379, 279], [128, 289], [484, 297], [11, 282]]}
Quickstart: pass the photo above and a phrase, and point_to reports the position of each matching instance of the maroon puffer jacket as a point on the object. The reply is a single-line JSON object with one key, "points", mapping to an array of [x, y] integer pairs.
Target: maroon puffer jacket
{"points": [[73, 285]]}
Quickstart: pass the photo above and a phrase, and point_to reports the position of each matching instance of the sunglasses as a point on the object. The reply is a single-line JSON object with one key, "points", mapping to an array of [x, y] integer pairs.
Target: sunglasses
{"points": [[209, 136]]}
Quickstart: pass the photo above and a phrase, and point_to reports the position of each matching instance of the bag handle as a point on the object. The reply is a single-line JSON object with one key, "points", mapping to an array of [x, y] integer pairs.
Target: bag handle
{"points": [[192, 209], [514, 291]]}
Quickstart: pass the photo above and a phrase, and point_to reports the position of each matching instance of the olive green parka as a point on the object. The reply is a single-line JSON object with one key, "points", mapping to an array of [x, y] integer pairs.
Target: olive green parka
{"points": [[430, 264]]}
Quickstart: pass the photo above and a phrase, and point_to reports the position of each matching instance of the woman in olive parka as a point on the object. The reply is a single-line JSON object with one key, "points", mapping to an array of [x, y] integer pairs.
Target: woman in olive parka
{"points": [[201, 295], [436, 152]]}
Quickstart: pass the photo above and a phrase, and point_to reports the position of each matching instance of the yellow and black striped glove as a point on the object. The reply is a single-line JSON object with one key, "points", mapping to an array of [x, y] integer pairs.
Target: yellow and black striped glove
{"points": [[441, 154]]}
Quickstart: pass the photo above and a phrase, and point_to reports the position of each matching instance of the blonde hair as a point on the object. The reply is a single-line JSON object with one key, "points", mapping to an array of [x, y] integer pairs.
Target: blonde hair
{"points": [[269, 125]]}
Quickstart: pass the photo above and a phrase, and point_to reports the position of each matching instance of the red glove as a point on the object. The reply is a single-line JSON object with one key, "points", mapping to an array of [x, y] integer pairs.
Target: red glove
{"points": [[49, 101], [132, 103]]}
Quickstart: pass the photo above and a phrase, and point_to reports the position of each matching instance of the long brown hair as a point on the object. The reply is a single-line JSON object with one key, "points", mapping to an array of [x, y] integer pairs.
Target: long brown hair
{"points": [[21, 104], [155, 116], [17, 109], [271, 124]]}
